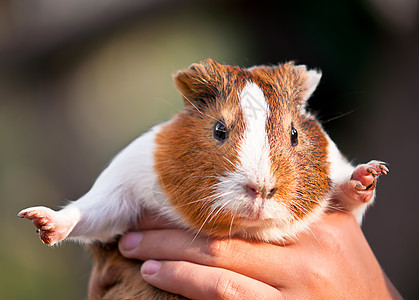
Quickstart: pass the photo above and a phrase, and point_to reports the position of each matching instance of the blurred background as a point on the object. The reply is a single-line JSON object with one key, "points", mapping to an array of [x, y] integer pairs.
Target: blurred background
{"points": [[80, 79]]}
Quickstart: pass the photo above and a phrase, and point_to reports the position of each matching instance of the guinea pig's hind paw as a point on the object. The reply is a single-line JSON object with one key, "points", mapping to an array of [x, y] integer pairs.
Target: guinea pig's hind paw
{"points": [[48, 224]]}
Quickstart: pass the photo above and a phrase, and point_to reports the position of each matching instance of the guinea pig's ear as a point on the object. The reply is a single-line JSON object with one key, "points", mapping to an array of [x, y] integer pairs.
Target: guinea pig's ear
{"points": [[311, 79], [199, 84]]}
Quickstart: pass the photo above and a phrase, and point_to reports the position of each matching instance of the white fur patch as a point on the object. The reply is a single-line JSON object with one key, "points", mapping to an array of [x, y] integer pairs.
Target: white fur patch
{"points": [[340, 169], [126, 187], [254, 150], [254, 158]]}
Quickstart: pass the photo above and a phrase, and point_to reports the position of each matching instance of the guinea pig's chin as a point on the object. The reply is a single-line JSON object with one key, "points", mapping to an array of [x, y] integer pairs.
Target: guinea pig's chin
{"points": [[252, 219], [256, 220]]}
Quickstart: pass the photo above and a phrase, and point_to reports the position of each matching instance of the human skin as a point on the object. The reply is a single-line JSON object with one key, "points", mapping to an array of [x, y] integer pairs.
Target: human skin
{"points": [[332, 260]]}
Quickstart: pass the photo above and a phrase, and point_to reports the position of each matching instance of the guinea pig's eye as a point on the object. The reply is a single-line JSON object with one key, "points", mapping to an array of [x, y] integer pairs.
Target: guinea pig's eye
{"points": [[294, 137], [220, 131]]}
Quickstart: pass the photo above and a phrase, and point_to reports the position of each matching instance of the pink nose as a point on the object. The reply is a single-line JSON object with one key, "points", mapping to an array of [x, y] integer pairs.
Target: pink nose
{"points": [[255, 191]]}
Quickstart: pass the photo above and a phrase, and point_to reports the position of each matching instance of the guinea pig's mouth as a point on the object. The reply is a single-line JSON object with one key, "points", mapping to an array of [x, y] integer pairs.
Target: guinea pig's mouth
{"points": [[256, 210], [245, 204]]}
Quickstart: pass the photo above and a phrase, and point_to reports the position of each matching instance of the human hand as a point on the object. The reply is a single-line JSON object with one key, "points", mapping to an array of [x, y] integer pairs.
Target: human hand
{"points": [[331, 260]]}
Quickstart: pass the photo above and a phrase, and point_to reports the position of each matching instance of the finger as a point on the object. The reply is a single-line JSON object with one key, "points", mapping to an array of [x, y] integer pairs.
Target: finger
{"points": [[241, 256], [203, 282]]}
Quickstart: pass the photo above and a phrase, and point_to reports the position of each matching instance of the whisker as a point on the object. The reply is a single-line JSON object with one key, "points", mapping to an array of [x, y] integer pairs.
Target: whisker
{"points": [[219, 210], [229, 161], [231, 224], [202, 226], [340, 116], [332, 207], [214, 212], [195, 201]]}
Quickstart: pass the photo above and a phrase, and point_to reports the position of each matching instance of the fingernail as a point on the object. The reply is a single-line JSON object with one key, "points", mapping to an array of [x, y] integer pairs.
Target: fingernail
{"points": [[131, 240], [150, 267]]}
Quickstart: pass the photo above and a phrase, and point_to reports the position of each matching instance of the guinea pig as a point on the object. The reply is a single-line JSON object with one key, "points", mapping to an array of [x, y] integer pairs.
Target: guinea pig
{"points": [[244, 158]]}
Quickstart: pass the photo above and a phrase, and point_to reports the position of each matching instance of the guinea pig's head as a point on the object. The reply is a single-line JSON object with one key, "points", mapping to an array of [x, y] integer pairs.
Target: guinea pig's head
{"points": [[244, 157]]}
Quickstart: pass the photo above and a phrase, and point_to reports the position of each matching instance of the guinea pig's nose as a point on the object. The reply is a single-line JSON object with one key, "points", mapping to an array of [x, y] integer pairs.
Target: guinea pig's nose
{"points": [[252, 191], [271, 192], [255, 191]]}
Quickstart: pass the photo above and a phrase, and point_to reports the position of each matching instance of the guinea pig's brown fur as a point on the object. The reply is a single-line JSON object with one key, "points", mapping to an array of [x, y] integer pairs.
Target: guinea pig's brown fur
{"points": [[126, 282]]}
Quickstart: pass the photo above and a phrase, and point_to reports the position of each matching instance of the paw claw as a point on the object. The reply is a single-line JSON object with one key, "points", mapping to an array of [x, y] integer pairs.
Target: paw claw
{"points": [[372, 171], [384, 169]]}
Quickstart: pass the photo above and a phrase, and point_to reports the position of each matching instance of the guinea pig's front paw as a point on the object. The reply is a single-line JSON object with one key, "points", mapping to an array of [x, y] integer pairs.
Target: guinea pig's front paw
{"points": [[52, 227], [361, 187]]}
